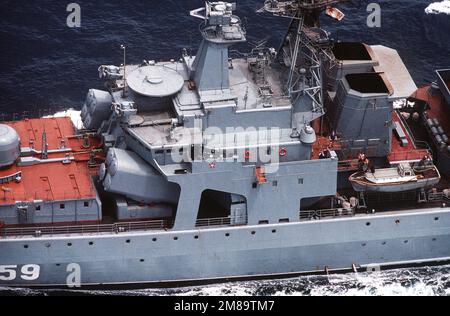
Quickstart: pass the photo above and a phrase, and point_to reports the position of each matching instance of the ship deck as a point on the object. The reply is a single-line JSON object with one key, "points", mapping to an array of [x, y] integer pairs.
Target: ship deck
{"points": [[51, 180], [401, 153], [438, 109]]}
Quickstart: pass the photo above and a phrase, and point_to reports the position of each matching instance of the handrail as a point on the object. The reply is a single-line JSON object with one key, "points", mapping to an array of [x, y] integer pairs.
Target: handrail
{"points": [[117, 228], [328, 213], [438, 197], [408, 156], [222, 221], [86, 229], [11, 178], [415, 141]]}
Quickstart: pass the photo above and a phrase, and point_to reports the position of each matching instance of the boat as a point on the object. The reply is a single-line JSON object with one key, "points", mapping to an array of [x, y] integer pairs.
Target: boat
{"points": [[398, 179], [216, 166]]}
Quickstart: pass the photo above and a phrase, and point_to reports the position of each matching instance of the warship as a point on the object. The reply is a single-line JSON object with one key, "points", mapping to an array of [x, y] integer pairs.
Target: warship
{"points": [[222, 165]]}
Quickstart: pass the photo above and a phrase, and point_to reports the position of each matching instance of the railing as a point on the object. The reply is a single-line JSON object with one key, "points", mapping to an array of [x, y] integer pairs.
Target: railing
{"points": [[330, 213], [419, 144], [416, 155], [86, 229], [348, 165], [11, 178], [438, 197], [221, 221]]}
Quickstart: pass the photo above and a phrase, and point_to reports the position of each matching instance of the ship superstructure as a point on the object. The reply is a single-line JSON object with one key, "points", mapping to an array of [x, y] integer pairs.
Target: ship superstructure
{"points": [[429, 111], [215, 167]]}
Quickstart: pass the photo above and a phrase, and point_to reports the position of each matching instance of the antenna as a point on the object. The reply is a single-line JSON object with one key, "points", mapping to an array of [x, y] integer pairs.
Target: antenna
{"points": [[306, 47], [125, 88]]}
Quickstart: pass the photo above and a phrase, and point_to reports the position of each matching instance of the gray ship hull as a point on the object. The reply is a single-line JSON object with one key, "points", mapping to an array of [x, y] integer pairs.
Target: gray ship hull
{"points": [[366, 241]]}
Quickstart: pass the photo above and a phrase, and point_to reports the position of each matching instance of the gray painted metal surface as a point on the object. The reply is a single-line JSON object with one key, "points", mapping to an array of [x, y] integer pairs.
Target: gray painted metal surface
{"points": [[336, 244], [209, 141]]}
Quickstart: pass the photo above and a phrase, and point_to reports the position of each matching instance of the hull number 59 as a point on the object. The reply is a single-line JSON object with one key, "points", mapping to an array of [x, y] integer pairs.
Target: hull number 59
{"points": [[29, 272]]}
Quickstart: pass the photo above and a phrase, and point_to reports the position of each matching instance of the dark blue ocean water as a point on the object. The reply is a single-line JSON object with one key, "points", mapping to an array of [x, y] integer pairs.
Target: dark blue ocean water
{"points": [[44, 64]]}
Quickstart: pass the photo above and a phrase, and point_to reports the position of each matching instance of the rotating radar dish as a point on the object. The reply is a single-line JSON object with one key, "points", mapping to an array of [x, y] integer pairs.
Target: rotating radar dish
{"points": [[155, 81]]}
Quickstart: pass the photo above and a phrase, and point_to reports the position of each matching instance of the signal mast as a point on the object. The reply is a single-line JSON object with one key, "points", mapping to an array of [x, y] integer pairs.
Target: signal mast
{"points": [[306, 48]]}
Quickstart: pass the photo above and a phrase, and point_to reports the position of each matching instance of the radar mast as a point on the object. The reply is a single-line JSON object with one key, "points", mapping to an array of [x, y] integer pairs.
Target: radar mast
{"points": [[306, 47]]}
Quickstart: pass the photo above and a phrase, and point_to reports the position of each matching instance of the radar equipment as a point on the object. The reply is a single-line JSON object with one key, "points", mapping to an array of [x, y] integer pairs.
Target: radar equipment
{"points": [[306, 47], [220, 30]]}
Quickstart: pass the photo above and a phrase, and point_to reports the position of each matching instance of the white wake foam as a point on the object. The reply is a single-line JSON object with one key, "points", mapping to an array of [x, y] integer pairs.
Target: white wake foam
{"points": [[74, 115], [439, 7], [429, 281]]}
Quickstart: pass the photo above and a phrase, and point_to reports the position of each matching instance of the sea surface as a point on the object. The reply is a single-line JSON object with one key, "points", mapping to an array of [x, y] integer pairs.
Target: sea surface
{"points": [[46, 67]]}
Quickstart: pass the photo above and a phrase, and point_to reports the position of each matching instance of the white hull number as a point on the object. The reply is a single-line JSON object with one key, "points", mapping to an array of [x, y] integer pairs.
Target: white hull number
{"points": [[29, 272]]}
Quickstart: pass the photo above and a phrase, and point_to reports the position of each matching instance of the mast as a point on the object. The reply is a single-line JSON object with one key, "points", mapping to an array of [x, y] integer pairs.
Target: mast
{"points": [[306, 48]]}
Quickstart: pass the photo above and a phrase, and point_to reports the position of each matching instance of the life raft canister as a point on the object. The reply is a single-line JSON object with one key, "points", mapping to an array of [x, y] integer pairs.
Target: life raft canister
{"points": [[283, 152], [247, 155]]}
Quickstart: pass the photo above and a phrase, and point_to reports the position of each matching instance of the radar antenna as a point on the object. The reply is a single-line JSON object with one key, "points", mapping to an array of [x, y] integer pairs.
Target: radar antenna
{"points": [[306, 47]]}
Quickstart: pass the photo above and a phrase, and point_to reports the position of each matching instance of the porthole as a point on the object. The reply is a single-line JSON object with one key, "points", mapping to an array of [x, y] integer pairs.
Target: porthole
{"points": [[25, 246], [368, 224], [175, 238], [384, 243], [86, 204], [227, 235], [155, 239], [364, 245], [406, 241], [128, 241], [91, 243], [436, 218], [69, 244], [397, 222], [434, 239], [58, 264], [274, 231], [196, 237], [253, 233], [142, 260], [62, 206]]}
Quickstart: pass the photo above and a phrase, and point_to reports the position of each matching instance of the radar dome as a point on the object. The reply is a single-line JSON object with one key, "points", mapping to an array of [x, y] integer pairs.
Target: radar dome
{"points": [[9, 146]]}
